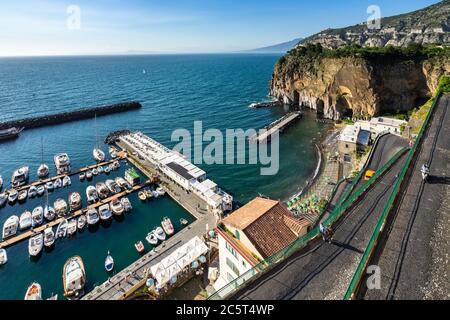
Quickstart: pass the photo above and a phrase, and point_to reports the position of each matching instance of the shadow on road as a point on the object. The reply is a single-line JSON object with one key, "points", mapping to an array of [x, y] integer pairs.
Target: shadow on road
{"points": [[346, 246], [438, 180]]}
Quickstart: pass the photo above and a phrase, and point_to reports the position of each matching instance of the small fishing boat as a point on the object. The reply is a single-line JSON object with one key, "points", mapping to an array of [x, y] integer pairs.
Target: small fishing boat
{"points": [[107, 169], [95, 171], [12, 196], [183, 222], [25, 220], [74, 278], [151, 238], [92, 216], [61, 230], [81, 222], [32, 192], [160, 234], [109, 263], [74, 201], [35, 245], [102, 190], [49, 186], [89, 175], [105, 212], [112, 186], [34, 292], [57, 183], [139, 246], [71, 227], [37, 216], [40, 190], [66, 182], [22, 197], [117, 207], [49, 237], [91, 194], [3, 199], [98, 155], [49, 213], [3, 257], [160, 191], [167, 226], [20, 177], [82, 176], [142, 196], [60, 206], [126, 204]]}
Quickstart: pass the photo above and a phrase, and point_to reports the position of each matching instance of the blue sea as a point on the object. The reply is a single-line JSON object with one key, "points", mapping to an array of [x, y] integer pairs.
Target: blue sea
{"points": [[175, 91]]}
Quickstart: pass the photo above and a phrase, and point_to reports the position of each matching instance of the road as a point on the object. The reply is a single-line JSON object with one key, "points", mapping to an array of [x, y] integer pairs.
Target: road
{"points": [[413, 254]]}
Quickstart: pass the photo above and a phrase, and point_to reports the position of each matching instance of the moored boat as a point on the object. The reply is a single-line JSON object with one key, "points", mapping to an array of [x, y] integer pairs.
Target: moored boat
{"points": [[139, 246], [126, 204], [151, 238], [40, 190], [98, 154], [89, 174], [104, 212], [75, 201], [183, 221], [23, 194], [66, 181], [82, 176], [62, 163], [160, 234], [81, 222], [35, 245], [32, 192], [94, 171], [74, 278], [100, 169], [102, 190], [49, 213], [109, 263], [107, 169], [20, 177], [3, 198], [43, 171], [60, 206], [61, 230], [71, 227], [1, 182], [3, 257], [122, 183], [25, 221], [160, 191], [10, 227], [142, 196], [112, 186], [49, 186], [12, 196], [49, 237], [91, 194], [92, 216], [117, 207], [34, 292], [37, 216], [57, 183], [167, 226]]}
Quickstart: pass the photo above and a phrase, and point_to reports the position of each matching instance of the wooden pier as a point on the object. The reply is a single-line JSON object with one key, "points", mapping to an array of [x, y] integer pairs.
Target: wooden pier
{"points": [[278, 125], [25, 235]]}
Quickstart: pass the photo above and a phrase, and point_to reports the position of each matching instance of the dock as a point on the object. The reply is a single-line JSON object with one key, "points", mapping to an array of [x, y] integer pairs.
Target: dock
{"points": [[25, 235], [278, 125]]}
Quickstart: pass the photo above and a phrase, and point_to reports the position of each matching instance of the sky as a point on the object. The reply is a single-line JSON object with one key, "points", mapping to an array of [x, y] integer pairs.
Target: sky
{"points": [[60, 27]]}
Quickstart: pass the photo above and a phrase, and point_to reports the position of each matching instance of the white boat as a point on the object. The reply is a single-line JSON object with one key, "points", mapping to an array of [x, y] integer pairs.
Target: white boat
{"points": [[92, 216], [40, 190], [107, 169], [122, 183], [74, 278], [160, 234], [112, 186], [20, 177], [34, 292], [98, 155], [25, 220], [72, 227], [117, 207], [100, 169], [37, 216], [155, 194], [81, 222], [1, 182], [60, 206], [91, 194], [32, 192], [116, 164], [105, 212], [3, 257], [61, 230], [66, 182], [49, 186], [82, 176], [102, 190], [109, 263], [113, 152], [151, 238], [3, 199], [13, 194], [35, 245], [75, 201], [160, 191], [95, 171], [57, 183], [89, 174], [167, 226], [49, 213], [23, 194], [126, 204], [43, 169], [62, 163], [49, 237]]}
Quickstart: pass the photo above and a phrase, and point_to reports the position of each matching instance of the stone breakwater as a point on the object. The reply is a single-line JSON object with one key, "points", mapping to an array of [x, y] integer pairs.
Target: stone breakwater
{"points": [[63, 117]]}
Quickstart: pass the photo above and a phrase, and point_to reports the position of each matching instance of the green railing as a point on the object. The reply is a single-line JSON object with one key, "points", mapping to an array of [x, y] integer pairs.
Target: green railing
{"points": [[284, 253], [373, 242]]}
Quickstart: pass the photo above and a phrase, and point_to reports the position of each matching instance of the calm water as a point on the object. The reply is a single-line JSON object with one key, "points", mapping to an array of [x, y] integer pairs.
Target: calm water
{"points": [[174, 92]]}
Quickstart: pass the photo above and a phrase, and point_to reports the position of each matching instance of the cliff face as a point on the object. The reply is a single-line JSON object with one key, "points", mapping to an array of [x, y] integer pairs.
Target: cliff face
{"points": [[358, 87]]}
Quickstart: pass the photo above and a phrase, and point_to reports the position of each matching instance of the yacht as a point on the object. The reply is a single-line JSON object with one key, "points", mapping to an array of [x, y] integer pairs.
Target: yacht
{"points": [[35, 245], [98, 155], [160, 234], [10, 227], [126, 204], [71, 227], [112, 186], [62, 163], [66, 182], [89, 175], [49, 213], [61, 230], [12, 196], [49, 186], [81, 222], [92, 216], [32, 192], [3, 198], [49, 237], [40, 190], [117, 207], [102, 190], [3, 257], [167, 226], [109, 263], [34, 292], [25, 220], [74, 278], [151, 238], [105, 212], [121, 182], [37, 216], [20, 177], [23, 194], [74, 201], [57, 183], [60, 206], [91, 194]]}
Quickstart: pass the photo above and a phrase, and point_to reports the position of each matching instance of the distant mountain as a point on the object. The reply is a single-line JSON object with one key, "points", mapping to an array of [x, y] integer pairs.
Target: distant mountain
{"points": [[277, 48]]}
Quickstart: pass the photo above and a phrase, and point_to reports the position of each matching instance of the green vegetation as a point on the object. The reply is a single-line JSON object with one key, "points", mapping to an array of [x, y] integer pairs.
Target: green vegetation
{"points": [[444, 84]]}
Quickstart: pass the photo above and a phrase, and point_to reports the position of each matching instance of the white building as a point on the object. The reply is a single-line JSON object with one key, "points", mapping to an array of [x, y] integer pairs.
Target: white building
{"points": [[383, 124]]}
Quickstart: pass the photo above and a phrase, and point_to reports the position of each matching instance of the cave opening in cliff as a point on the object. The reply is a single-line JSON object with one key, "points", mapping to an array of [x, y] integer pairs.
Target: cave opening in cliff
{"points": [[320, 106], [343, 107], [296, 98]]}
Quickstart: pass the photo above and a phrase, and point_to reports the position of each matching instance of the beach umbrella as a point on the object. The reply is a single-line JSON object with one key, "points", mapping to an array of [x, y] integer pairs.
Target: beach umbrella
{"points": [[211, 233], [202, 259], [173, 280], [194, 265], [150, 282]]}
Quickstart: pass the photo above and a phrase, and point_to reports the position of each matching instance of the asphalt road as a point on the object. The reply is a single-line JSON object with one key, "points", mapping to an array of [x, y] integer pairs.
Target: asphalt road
{"points": [[413, 254]]}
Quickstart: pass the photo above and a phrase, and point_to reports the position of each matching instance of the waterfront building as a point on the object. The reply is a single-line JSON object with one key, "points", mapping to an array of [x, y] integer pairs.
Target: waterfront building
{"points": [[351, 140], [384, 124]]}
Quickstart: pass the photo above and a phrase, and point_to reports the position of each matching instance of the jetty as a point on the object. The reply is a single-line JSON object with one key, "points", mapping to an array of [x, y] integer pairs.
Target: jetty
{"points": [[266, 104], [278, 125]]}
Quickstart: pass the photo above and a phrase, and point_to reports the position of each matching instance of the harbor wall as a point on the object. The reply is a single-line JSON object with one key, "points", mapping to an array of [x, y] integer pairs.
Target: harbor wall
{"points": [[69, 116]]}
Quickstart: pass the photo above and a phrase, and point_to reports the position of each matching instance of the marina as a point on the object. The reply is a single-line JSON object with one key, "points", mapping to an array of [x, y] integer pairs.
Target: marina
{"points": [[278, 125]]}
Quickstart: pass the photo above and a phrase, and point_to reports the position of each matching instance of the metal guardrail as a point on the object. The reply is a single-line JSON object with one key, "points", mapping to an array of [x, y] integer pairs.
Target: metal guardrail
{"points": [[374, 239]]}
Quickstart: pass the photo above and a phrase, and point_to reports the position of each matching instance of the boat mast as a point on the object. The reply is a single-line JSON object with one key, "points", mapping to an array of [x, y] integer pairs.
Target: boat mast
{"points": [[96, 131], [42, 150]]}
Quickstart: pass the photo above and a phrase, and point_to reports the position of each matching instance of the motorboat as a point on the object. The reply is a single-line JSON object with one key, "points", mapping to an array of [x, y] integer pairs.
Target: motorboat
{"points": [[82, 176], [32, 192], [40, 190], [102, 190], [75, 201], [151, 238], [34, 292], [155, 194], [49, 237], [91, 194], [49, 213], [160, 191], [117, 207], [10, 227], [116, 165], [60, 206], [92, 216], [61, 230], [160, 234], [98, 154], [109, 263], [49, 186], [71, 227], [121, 182], [43, 171], [139, 246], [107, 169], [3, 257], [95, 172], [111, 167], [23, 195], [89, 174], [81, 222], [25, 220], [3, 199], [35, 244], [62, 163], [105, 212], [126, 204], [13, 194], [100, 169], [66, 181], [20, 177], [112, 186], [74, 278], [57, 183], [142, 196], [167, 226], [148, 193], [37, 216], [112, 152]]}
